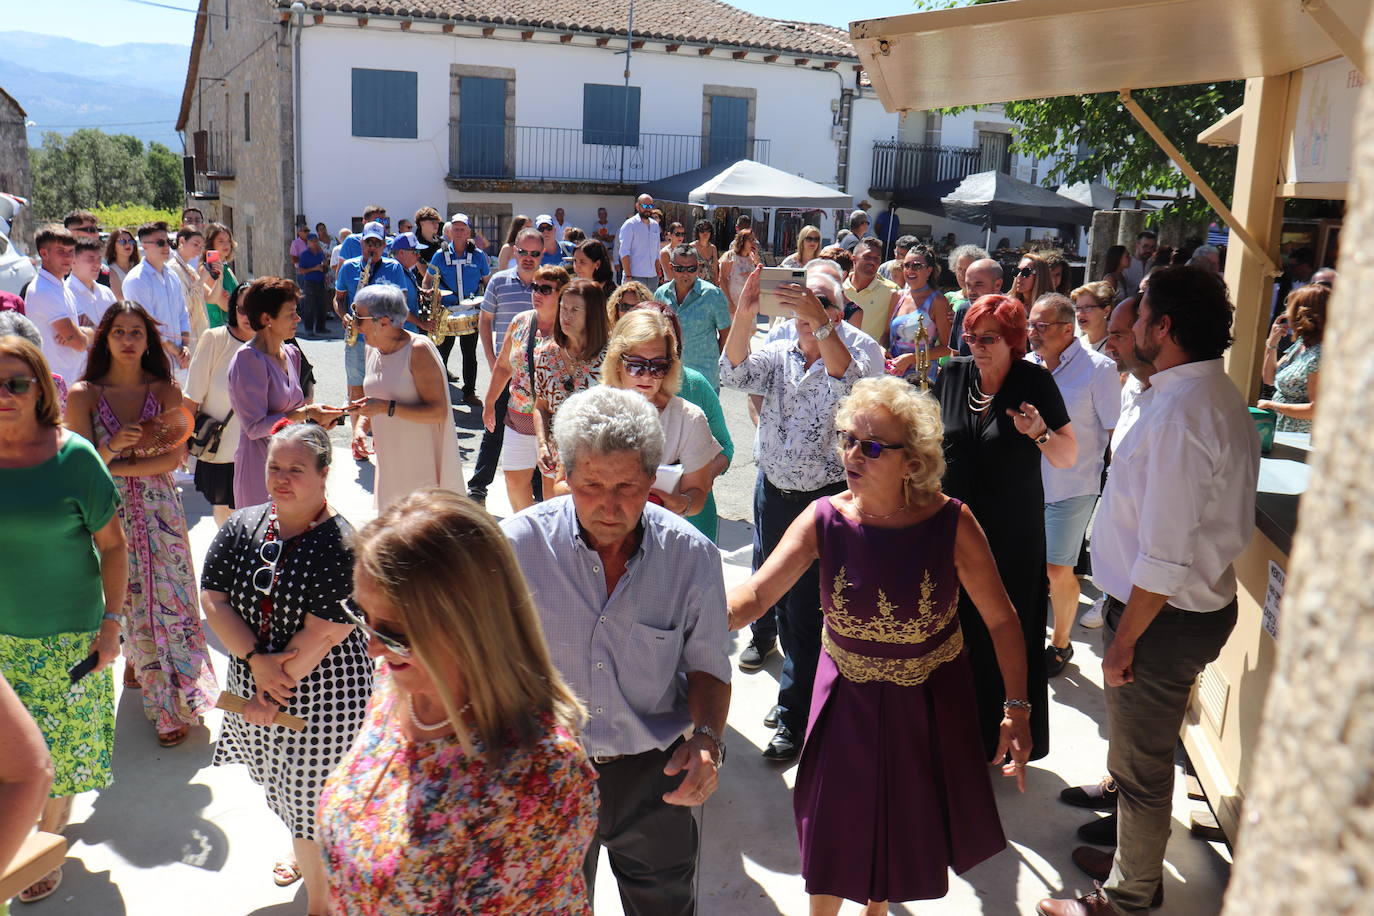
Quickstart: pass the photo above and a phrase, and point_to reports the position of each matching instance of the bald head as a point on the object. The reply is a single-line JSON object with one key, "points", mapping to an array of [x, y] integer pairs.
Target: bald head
{"points": [[983, 278]]}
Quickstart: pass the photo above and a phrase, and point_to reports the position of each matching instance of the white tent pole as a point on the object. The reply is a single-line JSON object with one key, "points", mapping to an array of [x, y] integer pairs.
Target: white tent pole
{"points": [[987, 243]]}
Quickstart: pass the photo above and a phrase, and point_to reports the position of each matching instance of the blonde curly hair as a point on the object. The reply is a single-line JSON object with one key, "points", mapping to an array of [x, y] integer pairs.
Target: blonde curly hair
{"points": [[919, 415], [640, 327]]}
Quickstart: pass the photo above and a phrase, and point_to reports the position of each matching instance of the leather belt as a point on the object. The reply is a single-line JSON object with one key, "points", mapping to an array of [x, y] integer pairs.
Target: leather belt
{"points": [[609, 758]]}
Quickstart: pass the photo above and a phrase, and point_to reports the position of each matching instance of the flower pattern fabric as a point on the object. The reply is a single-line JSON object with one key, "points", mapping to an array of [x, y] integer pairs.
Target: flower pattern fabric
{"points": [[1291, 383], [558, 376], [422, 828], [520, 382], [163, 636]]}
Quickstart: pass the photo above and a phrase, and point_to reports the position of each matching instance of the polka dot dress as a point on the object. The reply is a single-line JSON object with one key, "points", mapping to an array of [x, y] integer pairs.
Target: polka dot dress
{"points": [[314, 573]]}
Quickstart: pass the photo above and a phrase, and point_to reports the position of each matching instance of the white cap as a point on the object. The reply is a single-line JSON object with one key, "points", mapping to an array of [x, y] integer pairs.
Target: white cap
{"points": [[460, 218], [374, 230]]}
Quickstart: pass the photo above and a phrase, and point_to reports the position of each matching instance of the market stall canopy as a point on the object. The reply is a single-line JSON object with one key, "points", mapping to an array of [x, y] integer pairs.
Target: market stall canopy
{"points": [[746, 183], [1094, 194], [991, 199], [1033, 49]]}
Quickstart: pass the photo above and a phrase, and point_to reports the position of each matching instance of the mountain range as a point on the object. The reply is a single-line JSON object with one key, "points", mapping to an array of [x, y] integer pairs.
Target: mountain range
{"points": [[64, 85]]}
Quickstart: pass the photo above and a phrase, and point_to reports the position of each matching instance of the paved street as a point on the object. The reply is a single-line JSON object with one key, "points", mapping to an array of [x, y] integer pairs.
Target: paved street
{"points": [[175, 835]]}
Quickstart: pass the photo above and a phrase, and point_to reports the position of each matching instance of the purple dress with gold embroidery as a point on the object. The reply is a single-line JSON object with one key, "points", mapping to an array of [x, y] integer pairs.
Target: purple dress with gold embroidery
{"points": [[892, 789]]}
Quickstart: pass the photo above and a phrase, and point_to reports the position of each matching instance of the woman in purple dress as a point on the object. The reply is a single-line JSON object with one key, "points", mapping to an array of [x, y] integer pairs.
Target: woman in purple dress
{"points": [[892, 788], [265, 383]]}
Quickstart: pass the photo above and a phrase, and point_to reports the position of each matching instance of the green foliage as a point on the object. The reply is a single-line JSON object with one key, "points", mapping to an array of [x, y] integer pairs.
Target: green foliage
{"points": [[131, 216], [92, 169]]}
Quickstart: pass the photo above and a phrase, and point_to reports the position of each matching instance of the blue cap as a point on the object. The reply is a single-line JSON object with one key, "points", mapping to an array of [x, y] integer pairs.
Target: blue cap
{"points": [[406, 241], [374, 230], [313, 237]]}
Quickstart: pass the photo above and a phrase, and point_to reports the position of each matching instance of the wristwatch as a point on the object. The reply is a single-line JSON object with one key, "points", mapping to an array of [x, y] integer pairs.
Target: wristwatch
{"points": [[824, 331], [710, 732], [1042, 438], [391, 409]]}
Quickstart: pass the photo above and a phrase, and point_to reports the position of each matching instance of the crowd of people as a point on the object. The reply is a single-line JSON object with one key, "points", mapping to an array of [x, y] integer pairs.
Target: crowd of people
{"points": [[930, 456]]}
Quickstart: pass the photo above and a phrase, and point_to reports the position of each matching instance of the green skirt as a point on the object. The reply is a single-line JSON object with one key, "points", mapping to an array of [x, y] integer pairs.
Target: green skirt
{"points": [[77, 721]]}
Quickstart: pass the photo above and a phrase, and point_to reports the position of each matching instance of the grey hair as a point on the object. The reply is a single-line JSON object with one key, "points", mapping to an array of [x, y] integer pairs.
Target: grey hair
{"points": [[603, 420], [384, 300], [825, 266], [683, 251], [1063, 308], [13, 324], [1207, 249], [529, 231], [311, 435], [822, 276], [966, 251]]}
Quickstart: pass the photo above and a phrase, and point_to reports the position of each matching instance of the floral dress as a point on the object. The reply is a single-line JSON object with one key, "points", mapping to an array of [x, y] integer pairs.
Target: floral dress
{"points": [[520, 414], [419, 828], [1290, 382], [558, 376], [163, 636]]}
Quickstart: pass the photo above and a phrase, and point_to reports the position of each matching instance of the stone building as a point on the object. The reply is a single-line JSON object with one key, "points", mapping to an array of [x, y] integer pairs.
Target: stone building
{"points": [[15, 176]]}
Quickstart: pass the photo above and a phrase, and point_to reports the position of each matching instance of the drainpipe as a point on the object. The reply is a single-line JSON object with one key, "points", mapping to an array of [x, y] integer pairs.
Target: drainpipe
{"points": [[298, 18], [842, 120]]}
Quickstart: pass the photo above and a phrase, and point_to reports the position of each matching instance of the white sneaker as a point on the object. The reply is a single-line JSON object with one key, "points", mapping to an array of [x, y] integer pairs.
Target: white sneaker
{"points": [[1093, 618]]}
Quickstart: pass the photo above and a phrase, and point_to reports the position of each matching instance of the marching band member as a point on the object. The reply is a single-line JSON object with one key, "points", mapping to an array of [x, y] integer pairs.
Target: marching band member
{"points": [[463, 270]]}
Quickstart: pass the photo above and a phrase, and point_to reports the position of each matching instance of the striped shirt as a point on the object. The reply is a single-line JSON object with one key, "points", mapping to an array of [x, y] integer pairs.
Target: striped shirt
{"points": [[507, 296], [626, 656]]}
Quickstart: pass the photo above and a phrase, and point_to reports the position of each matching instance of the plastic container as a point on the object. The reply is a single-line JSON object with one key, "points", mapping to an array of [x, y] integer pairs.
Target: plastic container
{"points": [[1266, 421]]}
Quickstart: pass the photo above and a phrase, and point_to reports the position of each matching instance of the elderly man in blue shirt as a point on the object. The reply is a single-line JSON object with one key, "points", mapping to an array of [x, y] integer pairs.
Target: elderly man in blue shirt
{"points": [[633, 605], [701, 309], [462, 268]]}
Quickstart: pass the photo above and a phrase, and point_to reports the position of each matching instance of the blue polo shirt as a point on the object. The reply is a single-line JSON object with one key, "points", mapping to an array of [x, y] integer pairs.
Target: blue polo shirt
{"points": [[473, 265], [309, 259], [352, 246], [388, 270], [704, 313], [507, 296]]}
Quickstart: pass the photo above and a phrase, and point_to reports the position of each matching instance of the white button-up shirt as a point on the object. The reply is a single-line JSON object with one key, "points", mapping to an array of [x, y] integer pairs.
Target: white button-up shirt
{"points": [[1134, 397], [1179, 506], [162, 296], [90, 302], [1091, 388], [49, 301], [639, 241]]}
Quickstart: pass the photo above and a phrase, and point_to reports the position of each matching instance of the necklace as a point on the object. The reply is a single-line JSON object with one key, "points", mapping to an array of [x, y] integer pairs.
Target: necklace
{"points": [[977, 401], [901, 508], [430, 726]]}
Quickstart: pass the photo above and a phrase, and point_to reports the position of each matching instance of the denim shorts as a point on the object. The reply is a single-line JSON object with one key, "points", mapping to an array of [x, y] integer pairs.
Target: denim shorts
{"points": [[355, 362], [1065, 524]]}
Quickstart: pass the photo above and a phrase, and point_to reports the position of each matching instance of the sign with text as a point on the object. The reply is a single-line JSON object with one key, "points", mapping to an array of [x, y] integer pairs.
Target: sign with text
{"points": [[1273, 595]]}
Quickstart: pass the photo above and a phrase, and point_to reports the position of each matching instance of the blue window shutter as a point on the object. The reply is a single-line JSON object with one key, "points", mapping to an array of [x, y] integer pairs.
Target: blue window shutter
{"points": [[729, 129], [385, 103], [610, 115], [481, 127]]}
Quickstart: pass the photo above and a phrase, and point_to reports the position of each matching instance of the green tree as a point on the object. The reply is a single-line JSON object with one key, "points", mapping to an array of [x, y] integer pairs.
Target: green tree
{"points": [[90, 168], [162, 173]]}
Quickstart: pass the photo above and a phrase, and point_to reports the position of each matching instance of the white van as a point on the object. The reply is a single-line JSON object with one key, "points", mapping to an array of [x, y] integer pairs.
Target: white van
{"points": [[16, 270]]}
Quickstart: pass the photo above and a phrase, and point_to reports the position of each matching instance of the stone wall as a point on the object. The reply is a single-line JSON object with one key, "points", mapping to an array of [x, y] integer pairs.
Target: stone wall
{"points": [[15, 177]]}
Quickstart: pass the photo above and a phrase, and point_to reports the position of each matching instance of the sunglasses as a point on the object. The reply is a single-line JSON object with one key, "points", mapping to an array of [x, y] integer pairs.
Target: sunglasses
{"points": [[678, 235], [869, 448], [270, 553], [393, 642], [982, 340], [1042, 326], [1025, 271], [1326, 283], [85, 229], [655, 368], [160, 243], [914, 265], [544, 289], [685, 269], [19, 384], [124, 241], [528, 254]]}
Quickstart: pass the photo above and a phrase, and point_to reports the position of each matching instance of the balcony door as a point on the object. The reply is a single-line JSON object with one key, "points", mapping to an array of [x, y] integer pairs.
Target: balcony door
{"points": [[729, 132], [996, 147], [481, 127]]}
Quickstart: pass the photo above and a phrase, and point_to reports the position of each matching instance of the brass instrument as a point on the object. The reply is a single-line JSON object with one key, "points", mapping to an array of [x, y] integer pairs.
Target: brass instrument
{"points": [[351, 332], [922, 353], [445, 323]]}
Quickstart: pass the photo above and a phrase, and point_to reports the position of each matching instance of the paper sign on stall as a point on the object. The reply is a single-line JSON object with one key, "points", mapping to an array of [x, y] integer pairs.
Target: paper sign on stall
{"points": [[1272, 596]]}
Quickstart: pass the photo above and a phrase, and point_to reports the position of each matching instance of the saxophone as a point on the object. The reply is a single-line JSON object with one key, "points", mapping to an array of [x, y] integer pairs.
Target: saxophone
{"points": [[351, 335], [922, 353], [436, 311]]}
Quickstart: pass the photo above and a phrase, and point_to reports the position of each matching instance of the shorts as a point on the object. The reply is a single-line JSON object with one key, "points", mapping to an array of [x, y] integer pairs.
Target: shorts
{"points": [[215, 481], [519, 452], [1065, 524], [355, 362]]}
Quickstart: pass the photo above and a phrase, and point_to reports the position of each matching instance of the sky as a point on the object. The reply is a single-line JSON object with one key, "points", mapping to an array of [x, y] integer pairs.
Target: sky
{"points": [[112, 22]]}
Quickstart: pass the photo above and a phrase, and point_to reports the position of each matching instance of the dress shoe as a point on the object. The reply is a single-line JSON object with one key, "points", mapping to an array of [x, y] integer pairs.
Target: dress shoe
{"points": [[782, 747], [1101, 797], [774, 716], [1095, 904], [471, 399], [478, 496], [1101, 832], [751, 659], [1057, 659], [1097, 864], [454, 380]]}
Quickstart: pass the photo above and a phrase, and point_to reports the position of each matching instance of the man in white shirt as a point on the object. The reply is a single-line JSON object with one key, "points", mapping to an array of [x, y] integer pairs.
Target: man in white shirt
{"points": [[51, 305], [1092, 394], [1179, 507], [92, 298], [153, 285], [1146, 244], [560, 223], [638, 244]]}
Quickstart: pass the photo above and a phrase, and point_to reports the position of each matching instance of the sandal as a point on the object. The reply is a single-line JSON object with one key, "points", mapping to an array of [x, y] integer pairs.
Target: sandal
{"points": [[131, 677], [174, 737], [43, 888], [360, 452], [286, 873]]}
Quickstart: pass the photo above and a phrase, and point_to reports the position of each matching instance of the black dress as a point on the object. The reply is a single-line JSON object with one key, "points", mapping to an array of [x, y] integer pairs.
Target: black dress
{"points": [[314, 573], [995, 470]]}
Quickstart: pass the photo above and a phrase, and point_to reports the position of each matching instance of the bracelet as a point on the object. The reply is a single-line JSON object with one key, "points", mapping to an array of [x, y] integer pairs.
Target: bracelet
{"points": [[251, 652], [1009, 705], [391, 409], [117, 618]]}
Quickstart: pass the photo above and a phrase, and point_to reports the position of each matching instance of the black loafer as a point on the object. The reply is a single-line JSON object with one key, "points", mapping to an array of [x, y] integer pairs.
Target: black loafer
{"points": [[1101, 797], [1101, 832], [774, 716], [1056, 659], [751, 659], [782, 747]]}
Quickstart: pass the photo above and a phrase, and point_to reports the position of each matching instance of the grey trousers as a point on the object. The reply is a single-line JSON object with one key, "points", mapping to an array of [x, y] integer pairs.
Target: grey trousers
{"points": [[1144, 718]]}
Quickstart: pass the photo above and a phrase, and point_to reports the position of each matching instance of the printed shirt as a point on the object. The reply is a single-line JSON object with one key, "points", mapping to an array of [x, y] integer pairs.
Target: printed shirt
{"points": [[521, 385], [703, 314], [1091, 388], [558, 376], [626, 654], [1179, 505], [507, 296], [795, 446], [856, 340]]}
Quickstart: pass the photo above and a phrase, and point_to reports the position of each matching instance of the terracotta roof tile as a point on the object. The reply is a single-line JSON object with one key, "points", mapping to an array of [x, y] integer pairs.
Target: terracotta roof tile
{"points": [[686, 21]]}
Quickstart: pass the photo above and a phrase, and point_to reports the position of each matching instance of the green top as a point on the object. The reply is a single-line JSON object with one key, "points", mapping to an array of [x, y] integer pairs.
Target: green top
{"points": [[229, 283], [50, 576], [697, 389]]}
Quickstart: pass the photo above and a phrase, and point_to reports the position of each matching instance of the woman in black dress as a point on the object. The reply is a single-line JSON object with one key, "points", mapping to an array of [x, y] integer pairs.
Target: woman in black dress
{"points": [[1002, 414], [271, 587]]}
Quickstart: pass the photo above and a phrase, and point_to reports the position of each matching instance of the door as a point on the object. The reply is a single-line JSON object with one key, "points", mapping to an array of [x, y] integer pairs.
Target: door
{"points": [[481, 127], [996, 148], [729, 139]]}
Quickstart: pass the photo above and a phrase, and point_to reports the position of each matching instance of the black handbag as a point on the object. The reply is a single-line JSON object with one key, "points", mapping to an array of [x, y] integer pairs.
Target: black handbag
{"points": [[205, 437]]}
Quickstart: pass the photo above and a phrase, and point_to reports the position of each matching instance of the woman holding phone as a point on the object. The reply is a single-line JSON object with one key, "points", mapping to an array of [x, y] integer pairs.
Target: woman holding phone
{"points": [[219, 256]]}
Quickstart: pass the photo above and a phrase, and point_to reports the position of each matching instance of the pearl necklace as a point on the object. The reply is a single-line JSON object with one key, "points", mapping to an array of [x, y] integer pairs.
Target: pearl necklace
{"points": [[430, 726]]}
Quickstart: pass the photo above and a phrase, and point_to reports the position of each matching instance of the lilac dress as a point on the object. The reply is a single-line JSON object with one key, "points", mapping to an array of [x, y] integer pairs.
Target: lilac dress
{"points": [[892, 790], [261, 394]]}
